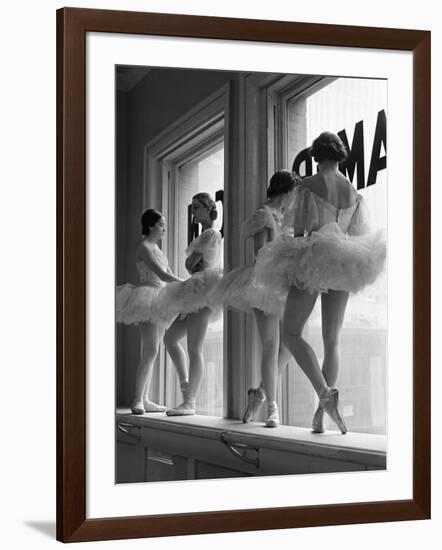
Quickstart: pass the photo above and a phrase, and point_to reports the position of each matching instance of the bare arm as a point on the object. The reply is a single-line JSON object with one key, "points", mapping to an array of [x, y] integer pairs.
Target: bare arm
{"points": [[192, 262], [305, 212], [202, 250], [260, 239], [149, 259]]}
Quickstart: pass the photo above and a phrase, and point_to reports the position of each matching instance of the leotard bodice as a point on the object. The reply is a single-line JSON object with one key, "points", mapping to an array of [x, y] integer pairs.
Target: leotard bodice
{"points": [[146, 276], [209, 245], [264, 217], [309, 212]]}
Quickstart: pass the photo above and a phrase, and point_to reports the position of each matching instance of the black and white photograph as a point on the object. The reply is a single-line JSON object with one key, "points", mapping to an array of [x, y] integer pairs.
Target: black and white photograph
{"points": [[251, 278], [219, 239]]}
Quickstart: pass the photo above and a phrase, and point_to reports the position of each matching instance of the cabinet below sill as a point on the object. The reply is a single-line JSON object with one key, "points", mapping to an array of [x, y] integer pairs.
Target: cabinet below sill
{"points": [[199, 447]]}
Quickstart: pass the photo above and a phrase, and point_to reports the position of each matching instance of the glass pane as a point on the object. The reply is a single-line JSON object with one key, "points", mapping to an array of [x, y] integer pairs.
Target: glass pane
{"points": [[203, 174], [342, 105]]}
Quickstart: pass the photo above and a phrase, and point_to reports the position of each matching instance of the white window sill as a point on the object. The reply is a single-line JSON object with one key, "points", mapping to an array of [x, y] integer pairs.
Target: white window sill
{"points": [[367, 450]]}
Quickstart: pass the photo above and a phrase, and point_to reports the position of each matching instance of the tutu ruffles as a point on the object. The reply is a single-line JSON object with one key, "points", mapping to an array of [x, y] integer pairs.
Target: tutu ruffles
{"points": [[328, 259], [140, 304], [191, 295], [238, 289]]}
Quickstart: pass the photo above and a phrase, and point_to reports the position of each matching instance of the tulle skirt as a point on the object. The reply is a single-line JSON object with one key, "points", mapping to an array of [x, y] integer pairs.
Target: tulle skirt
{"points": [[140, 304], [191, 295], [239, 290], [328, 259]]}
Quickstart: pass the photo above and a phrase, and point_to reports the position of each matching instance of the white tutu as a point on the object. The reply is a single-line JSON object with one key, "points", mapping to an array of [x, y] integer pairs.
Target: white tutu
{"points": [[239, 289], [328, 259], [191, 295], [139, 304]]}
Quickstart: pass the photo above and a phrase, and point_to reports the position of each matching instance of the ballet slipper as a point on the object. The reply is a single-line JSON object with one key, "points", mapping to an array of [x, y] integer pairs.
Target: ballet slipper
{"points": [[185, 409], [137, 407], [272, 415], [318, 420], [329, 399], [256, 397], [151, 407]]}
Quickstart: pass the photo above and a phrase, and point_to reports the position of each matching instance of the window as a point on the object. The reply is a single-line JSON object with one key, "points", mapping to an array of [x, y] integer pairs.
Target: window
{"points": [[356, 110], [203, 172], [185, 158]]}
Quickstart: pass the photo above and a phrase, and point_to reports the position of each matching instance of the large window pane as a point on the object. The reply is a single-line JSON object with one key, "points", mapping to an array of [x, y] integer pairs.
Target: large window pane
{"points": [[339, 106]]}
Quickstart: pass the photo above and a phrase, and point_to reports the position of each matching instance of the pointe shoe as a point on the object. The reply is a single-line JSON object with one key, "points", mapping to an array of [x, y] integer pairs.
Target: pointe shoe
{"points": [[151, 407], [329, 399], [137, 407], [272, 415], [256, 397], [318, 420], [185, 409]]}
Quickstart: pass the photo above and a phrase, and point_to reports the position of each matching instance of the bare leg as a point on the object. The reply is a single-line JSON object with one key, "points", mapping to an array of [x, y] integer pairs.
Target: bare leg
{"points": [[334, 304], [275, 357], [172, 337], [150, 343], [151, 406], [196, 326], [333, 308], [298, 308], [268, 328], [149, 376], [284, 355]]}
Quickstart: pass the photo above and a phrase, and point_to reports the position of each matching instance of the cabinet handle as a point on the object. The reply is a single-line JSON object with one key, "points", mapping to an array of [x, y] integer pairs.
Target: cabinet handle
{"points": [[127, 430], [241, 450]]}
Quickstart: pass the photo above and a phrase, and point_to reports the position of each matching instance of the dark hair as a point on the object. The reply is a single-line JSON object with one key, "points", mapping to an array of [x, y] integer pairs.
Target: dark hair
{"points": [[206, 200], [328, 146], [149, 219], [280, 183]]}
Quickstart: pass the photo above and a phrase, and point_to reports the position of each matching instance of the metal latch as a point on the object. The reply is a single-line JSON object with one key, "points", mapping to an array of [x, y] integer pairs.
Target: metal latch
{"points": [[241, 450], [127, 430]]}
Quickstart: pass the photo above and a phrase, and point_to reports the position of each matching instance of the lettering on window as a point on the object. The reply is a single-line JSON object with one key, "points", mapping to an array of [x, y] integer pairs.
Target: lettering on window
{"points": [[354, 164]]}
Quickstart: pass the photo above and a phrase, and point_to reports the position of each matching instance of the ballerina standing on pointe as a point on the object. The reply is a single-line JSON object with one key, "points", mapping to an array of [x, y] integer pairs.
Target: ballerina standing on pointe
{"points": [[238, 290], [334, 251], [188, 301], [139, 305]]}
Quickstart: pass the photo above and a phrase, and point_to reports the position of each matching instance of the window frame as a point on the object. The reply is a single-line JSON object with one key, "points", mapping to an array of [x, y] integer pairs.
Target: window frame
{"points": [[191, 135], [283, 94]]}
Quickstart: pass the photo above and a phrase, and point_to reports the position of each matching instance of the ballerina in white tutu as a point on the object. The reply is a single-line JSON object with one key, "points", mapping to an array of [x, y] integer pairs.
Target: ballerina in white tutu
{"points": [[188, 300], [139, 305], [333, 251], [239, 290]]}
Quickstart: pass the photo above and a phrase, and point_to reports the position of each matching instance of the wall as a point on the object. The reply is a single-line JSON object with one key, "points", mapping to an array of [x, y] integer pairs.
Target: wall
{"points": [[28, 273]]}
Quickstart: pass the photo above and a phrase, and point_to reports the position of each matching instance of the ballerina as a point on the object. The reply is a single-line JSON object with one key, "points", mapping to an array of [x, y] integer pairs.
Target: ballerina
{"points": [[188, 301], [334, 250], [239, 290], [139, 305]]}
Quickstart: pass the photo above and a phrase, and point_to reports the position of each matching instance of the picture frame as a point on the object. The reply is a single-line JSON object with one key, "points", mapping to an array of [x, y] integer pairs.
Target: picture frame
{"points": [[73, 24]]}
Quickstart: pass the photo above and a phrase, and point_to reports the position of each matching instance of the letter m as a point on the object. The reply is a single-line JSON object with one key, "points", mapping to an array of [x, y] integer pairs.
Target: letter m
{"points": [[355, 159]]}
